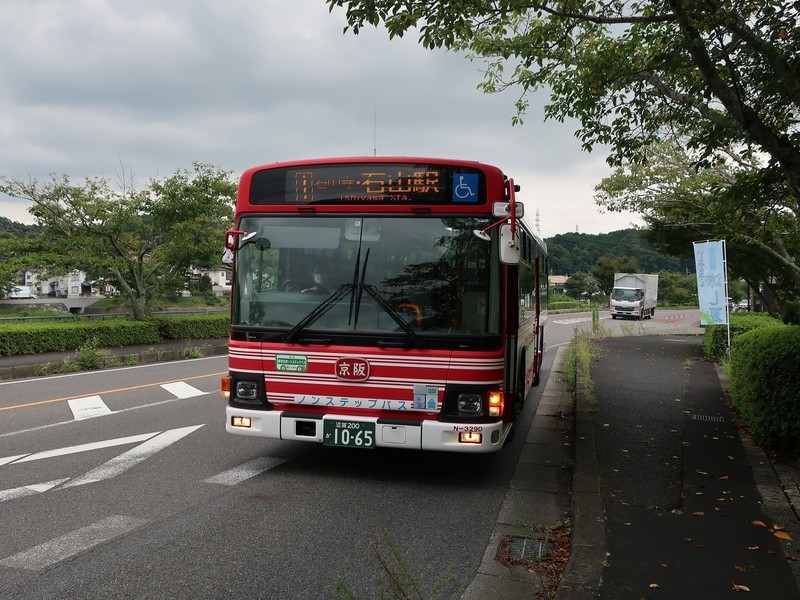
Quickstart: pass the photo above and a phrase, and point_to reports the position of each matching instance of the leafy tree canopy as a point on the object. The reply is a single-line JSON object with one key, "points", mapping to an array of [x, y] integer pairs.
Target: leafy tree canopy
{"points": [[721, 73], [730, 199], [605, 268], [580, 285], [143, 241]]}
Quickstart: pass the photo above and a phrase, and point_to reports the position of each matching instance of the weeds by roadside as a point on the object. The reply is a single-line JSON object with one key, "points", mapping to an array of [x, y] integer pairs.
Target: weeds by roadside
{"points": [[402, 581], [578, 362], [89, 357], [193, 352]]}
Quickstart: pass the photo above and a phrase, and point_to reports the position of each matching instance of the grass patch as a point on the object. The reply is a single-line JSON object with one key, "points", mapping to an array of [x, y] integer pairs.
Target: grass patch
{"points": [[578, 362], [193, 352]]}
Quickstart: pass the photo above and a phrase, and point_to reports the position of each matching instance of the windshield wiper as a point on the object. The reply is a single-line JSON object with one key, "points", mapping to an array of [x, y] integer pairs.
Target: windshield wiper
{"points": [[396, 316], [318, 311]]}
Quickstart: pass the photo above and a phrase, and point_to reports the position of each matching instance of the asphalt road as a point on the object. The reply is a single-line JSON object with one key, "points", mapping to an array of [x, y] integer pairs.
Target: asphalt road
{"points": [[123, 484]]}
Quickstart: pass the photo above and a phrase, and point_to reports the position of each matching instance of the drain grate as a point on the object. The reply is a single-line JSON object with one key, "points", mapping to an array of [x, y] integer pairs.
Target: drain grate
{"points": [[526, 548], [708, 418]]}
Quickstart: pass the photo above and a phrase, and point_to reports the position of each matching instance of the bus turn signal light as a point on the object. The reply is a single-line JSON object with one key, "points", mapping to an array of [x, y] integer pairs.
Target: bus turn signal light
{"points": [[225, 388], [496, 402]]}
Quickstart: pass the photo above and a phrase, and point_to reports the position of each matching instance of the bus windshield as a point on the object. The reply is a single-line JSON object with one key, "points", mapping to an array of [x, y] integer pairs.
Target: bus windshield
{"points": [[423, 276]]}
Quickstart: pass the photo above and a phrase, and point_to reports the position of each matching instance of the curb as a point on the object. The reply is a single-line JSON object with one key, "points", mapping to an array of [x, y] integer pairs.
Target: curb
{"points": [[584, 570], [32, 366], [536, 497]]}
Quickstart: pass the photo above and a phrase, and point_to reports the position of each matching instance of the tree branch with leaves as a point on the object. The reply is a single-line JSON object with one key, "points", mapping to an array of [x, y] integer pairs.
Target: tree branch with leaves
{"points": [[143, 240]]}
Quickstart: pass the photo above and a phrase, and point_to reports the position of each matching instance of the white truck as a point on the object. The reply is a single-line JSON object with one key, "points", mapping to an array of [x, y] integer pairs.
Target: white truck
{"points": [[634, 296]]}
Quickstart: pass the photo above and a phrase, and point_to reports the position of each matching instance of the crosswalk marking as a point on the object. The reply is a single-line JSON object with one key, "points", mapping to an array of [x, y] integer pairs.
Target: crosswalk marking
{"points": [[245, 471], [60, 548], [86, 408], [181, 389]]}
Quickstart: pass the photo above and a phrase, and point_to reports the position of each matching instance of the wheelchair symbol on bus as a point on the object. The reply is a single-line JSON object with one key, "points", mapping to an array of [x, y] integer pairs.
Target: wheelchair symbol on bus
{"points": [[465, 187]]}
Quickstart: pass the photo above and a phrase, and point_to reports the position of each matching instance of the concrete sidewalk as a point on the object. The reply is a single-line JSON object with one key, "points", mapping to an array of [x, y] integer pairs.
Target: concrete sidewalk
{"points": [[690, 507]]}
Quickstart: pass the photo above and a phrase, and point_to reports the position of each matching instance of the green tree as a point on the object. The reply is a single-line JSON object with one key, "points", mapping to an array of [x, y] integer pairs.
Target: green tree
{"points": [[677, 288], [721, 73], [142, 240], [729, 199], [21, 247], [605, 268], [580, 285]]}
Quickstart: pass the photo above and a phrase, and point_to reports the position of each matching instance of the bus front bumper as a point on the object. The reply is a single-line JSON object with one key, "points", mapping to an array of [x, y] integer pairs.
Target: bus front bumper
{"points": [[418, 435]]}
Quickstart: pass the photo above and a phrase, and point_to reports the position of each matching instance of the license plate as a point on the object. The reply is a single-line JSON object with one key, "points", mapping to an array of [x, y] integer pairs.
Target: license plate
{"points": [[348, 434]]}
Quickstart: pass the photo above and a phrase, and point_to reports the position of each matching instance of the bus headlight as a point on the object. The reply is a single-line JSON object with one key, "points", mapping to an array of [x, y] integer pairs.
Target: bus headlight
{"points": [[246, 390], [471, 404]]}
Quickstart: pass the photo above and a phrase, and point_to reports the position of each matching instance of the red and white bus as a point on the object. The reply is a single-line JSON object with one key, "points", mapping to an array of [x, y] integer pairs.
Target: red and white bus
{"points": [[383, 302]]}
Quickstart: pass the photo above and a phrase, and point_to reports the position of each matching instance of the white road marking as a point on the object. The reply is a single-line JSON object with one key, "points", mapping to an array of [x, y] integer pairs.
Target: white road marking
{"points": [[86, 408], [10, 459], [131, 458], [577, 320], [72, 421], [61, 548], [29, 490], [80, 448], [245, 471], [181, 389]]}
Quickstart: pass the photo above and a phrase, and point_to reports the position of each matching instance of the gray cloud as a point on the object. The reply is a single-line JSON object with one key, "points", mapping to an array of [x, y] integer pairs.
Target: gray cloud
{"points": [[96, 86]]}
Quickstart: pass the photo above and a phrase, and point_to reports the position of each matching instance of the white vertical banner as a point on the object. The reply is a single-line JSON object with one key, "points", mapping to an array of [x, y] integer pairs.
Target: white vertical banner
{"points": [[712, 282]]}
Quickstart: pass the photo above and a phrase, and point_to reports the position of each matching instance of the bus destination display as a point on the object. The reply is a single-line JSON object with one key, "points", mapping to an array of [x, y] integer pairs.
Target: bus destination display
{"points": [[368, 184]]}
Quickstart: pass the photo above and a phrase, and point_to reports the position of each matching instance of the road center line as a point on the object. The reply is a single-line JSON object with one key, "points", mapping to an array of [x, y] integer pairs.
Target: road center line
{"points": [[112, 391]]}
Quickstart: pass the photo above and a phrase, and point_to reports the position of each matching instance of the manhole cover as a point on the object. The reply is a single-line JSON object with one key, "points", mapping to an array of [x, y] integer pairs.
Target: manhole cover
{"points": [[522, 547], [710, 418]]}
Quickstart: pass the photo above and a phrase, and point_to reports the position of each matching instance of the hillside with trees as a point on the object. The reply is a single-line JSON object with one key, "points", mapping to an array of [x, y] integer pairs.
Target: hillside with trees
{"points": [[579, 252]]}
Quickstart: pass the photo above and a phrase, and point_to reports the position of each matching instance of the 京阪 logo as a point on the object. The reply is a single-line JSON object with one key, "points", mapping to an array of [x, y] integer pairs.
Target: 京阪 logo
{"points": [[352, 369]]}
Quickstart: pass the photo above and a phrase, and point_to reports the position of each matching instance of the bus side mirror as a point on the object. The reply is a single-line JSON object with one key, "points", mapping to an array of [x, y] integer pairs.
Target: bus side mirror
{"points": [[509, 246]]}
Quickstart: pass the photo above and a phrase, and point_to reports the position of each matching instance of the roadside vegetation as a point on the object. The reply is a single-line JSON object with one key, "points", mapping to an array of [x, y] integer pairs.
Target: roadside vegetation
{"points": [[764, 374], [402, 579]]}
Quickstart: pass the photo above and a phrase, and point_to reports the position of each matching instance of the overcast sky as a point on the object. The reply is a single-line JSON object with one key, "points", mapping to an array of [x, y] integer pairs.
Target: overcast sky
{"points": [[94, 87]]}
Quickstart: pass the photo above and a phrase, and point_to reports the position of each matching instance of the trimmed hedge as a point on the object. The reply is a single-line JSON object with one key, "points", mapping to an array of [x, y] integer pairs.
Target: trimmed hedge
{"points": [[194, 327], [764, 384], [563, 305], [30, 338], [715, 340]]}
